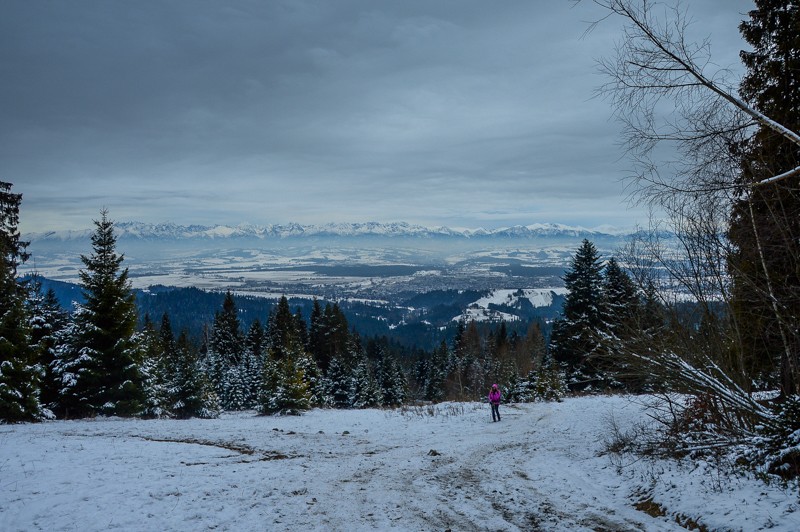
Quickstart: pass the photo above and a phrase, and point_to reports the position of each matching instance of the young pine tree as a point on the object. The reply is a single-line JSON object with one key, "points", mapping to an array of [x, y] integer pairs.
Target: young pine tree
{"points": [[317, 384], [282, 330], [339, 380], [620, 301], [620, 309], [48, 322], [225, 355], [191, 392], [436, 373], [286, 389], [293, 396], [366, 392], [317, 344], [290, 378], [392, 382], [235, 388], [154, 371], [336, 335], [254, 354]]}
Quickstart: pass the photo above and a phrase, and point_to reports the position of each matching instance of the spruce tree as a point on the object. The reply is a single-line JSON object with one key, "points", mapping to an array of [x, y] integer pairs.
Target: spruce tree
{"points": [[48, 322], [651, 315], [168, 349], [301, 331], [436, 372], [471, 359], [271, 386], [161, 362], [340, 384], [575, 334], [335, 333], [535, 344], [550, 381], [392, 382], [286, 388], [191, 392], [226, 333], [317, 344], [154, 374], [620, 300], [255, 339], [235, 388], [293, 396], [317, 384], [366, 392], [225, 355], [102, 363], [282, 330], [620, 309], [20, 372], [253, 363], [290, 382]]}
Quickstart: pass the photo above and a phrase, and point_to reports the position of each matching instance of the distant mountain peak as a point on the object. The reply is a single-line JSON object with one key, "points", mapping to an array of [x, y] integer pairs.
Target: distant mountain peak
{"points": [[172, 231]]}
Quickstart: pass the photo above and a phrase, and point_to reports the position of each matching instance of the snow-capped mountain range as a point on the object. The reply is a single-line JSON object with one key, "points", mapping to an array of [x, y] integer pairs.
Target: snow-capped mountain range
{"points": [[172, 231]]}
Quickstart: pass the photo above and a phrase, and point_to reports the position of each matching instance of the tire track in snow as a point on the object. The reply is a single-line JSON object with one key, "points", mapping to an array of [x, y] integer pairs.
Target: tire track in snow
{"points": [[474, 495]]}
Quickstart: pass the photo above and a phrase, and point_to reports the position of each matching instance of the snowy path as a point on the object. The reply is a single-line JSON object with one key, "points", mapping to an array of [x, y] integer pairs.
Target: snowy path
{"points": [[540, 468]]}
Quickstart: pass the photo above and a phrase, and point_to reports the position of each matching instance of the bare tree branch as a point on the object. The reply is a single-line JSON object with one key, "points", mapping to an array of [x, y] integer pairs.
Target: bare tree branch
{"points": [[655, 65]]}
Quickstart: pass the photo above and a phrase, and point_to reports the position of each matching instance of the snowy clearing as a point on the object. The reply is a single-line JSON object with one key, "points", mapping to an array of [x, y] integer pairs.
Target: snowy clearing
{"points": [[422, 468]]}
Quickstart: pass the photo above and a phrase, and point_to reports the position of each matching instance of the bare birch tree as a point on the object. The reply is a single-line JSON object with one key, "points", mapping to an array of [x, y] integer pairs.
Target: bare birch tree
{"points": [[671, 98]]}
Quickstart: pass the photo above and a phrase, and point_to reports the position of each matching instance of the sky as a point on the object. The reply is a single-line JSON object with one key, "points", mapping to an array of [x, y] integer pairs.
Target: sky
{"points": [[460, 114]]}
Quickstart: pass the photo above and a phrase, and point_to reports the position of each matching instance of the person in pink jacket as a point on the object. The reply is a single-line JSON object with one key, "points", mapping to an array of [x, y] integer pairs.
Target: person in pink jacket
{"points": [[494, 400]]}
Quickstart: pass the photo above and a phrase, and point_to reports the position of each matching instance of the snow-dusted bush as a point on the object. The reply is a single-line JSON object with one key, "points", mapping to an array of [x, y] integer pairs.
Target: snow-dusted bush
{"points": [[776, 448], [547, 383]]}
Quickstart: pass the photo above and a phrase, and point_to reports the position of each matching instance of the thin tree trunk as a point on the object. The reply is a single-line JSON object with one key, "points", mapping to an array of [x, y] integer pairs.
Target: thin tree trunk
{"points": [[788, 384]]}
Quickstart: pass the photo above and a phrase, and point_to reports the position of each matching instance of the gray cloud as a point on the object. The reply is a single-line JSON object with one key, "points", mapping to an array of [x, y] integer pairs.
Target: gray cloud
{"points": [[460, 113]]}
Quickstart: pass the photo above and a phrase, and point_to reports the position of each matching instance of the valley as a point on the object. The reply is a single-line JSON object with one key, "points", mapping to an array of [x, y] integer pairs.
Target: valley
{"points": [[391, 276]]}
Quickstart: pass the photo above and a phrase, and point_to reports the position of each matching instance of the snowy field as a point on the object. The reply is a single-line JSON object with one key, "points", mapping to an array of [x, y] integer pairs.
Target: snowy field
{"points": [[426, 468]]}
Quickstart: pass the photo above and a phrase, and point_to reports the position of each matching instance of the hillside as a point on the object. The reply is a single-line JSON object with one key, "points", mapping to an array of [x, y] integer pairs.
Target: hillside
{"points": [[414, 320], [543, 467]]}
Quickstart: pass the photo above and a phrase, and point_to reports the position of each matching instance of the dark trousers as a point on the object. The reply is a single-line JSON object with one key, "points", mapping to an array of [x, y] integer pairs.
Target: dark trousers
{"points": [[495, 412]]}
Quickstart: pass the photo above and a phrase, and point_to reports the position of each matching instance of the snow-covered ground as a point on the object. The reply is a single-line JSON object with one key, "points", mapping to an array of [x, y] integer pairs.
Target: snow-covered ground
{"points": [[424, 468]]}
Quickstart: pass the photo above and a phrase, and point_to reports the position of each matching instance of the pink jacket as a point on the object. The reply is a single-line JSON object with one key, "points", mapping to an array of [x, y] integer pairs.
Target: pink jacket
{"points": [[494, 397]]}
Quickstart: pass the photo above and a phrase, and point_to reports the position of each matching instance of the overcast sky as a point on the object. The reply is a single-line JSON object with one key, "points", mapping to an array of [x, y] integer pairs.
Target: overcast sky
{"points": [[464, 113]]}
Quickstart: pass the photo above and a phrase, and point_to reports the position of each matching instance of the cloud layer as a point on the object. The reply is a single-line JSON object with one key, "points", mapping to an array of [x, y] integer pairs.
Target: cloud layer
{"points": [[442, 113]]}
